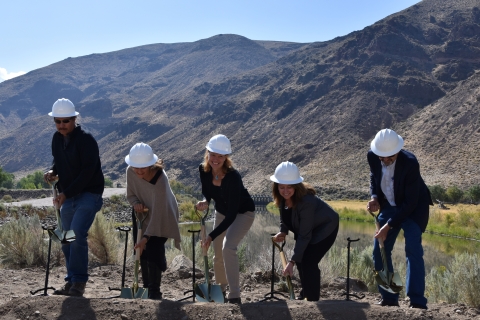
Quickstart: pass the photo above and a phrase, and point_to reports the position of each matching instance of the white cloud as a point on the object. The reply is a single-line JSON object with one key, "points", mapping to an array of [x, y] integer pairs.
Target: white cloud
{"points": [[5, 75]]}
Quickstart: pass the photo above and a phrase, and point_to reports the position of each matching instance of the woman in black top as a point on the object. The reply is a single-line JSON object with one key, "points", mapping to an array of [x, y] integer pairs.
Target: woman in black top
{"points": [[234, 212], [313, 223]]}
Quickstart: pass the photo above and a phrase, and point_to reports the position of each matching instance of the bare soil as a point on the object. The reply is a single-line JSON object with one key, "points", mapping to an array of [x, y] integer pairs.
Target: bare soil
{"points": [[99, 302]]}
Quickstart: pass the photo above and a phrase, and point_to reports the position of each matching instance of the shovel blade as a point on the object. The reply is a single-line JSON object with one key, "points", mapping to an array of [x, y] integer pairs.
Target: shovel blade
{"points": [[387, 288], [63, 237], [126, 293], [69, 236], [201, 290], [142, 293], [216, 294]]}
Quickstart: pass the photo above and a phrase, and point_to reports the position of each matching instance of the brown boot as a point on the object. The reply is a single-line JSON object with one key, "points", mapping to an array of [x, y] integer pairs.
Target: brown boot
{"points": [[77, 289], [63, 291]]}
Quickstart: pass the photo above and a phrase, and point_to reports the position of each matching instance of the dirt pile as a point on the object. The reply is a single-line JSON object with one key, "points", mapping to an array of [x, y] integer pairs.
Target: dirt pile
{"points": [[100, 303]]}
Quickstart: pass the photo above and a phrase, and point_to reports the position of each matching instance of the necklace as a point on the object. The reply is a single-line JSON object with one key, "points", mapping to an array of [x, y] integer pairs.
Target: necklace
{"points": [[286, 207], [216, 177]]}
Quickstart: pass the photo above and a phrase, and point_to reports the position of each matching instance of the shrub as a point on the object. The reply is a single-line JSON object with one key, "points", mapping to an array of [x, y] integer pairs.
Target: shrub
{"points": [[22, 244], [108, 182], [7, 198], [438, 193], [103, 240], [187, 212], [454, 194], [457, 283], [6, 179], [473, 194], [33, 181]]}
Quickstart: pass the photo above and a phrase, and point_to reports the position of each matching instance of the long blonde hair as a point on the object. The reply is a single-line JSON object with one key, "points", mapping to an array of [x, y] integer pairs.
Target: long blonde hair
{"points": [[227, 164], [301, 190]]}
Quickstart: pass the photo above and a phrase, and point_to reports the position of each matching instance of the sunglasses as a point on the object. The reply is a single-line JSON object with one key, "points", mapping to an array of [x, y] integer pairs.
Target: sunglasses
{"points": [[57, 121]]}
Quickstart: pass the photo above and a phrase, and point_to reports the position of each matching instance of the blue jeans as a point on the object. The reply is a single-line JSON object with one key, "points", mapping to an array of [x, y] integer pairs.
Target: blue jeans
{"points": [[415, 278], [77, 214]]}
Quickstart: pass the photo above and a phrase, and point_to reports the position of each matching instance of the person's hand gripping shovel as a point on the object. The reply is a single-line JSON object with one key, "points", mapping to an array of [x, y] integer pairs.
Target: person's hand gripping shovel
{"points": [[388, 281], [135, 292], [59, 235], [206, 292], [284, 264]]}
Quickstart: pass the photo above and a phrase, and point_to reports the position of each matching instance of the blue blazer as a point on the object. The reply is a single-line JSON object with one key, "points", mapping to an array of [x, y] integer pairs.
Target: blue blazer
{"points": [[412, 196]]}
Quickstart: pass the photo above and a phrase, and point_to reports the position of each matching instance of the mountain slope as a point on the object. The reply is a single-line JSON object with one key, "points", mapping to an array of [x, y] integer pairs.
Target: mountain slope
{"points": [[318, 105]]}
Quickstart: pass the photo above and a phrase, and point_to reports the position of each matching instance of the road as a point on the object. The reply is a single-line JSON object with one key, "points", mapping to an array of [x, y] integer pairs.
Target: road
{"points": [[45, 202]]}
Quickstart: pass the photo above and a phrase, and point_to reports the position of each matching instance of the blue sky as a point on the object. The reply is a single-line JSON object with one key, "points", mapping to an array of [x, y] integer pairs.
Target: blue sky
{"points": [[35, 34]]}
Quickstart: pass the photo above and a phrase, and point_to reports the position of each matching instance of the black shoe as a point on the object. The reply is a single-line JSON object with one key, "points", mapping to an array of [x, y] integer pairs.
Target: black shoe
{"points": [[63, 291], [385, 303], [417, 306], [155, 295], [235, 300]]}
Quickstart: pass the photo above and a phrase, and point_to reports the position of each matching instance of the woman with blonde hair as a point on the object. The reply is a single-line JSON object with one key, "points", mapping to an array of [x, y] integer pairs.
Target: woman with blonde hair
{"points": [[234, 212], [313, 223]]}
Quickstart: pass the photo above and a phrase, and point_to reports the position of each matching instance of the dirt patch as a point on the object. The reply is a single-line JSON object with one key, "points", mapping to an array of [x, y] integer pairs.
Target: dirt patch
{"points": [[100, 303]]}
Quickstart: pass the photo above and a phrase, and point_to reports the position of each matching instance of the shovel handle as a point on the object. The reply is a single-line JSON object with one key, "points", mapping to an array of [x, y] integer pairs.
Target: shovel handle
{"points": [[203, 233], [377, 227], [284, 265]]}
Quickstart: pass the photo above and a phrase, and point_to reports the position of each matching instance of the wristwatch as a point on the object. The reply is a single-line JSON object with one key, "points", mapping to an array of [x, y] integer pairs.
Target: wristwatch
{"points": [[146, 237], [293, 262]]}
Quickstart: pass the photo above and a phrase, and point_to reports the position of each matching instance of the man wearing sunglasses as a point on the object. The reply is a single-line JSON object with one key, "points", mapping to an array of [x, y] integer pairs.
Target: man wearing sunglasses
{"points": [[399, 192], [76, 164]]}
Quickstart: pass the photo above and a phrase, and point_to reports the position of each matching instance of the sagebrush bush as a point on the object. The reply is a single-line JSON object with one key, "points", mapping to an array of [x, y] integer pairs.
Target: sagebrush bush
{"points": [[457, 283], [23, 243], [103, 240]]}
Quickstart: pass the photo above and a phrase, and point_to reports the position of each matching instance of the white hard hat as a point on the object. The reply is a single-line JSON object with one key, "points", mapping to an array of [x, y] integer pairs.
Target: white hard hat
{"points": [[63, 108], [141, 156], [287, 173], [386, 143], [219, 144]]}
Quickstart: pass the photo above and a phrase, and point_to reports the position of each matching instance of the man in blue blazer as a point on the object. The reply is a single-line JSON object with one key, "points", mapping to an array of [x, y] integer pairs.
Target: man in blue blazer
{"points": [[399, 192]]}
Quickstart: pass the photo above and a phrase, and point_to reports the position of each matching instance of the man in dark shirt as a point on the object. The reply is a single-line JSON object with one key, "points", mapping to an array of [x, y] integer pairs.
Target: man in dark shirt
{"points": [[76, 163]]}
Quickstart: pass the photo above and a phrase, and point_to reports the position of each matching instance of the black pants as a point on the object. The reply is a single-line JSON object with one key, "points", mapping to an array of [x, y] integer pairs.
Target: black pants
{"points": [[154, 252], [308, 268]]}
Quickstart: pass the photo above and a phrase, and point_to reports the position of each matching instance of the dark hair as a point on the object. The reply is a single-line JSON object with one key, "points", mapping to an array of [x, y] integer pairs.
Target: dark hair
{"points": [[227, 165], [301, 190]]}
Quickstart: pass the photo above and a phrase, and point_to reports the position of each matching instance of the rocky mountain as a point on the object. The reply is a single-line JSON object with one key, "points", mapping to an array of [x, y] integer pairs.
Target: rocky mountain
{"points": [[318, 105]]}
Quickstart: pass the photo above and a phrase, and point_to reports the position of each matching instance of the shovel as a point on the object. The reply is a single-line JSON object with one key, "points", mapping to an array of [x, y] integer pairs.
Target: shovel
{"points": [[284, 264], [135, 292], [388, 281], [60, 235], [206, 292]]}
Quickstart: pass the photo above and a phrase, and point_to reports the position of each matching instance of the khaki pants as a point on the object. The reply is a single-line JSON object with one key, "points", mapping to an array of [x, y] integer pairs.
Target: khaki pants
{"points": [[225, 261]]}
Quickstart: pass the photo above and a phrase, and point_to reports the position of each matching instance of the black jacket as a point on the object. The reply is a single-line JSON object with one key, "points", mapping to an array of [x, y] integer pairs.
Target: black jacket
{"points": [[78, 164], [412, 196], [312, 221], [232, 199]]}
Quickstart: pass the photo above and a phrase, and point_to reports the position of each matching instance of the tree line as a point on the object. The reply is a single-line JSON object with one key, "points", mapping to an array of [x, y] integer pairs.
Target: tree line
{"points": [[451, 194], [31, 181], [454, 194]]}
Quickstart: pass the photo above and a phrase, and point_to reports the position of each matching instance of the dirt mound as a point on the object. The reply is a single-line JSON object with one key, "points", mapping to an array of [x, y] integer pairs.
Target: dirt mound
{"points": [[100, 303]]}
